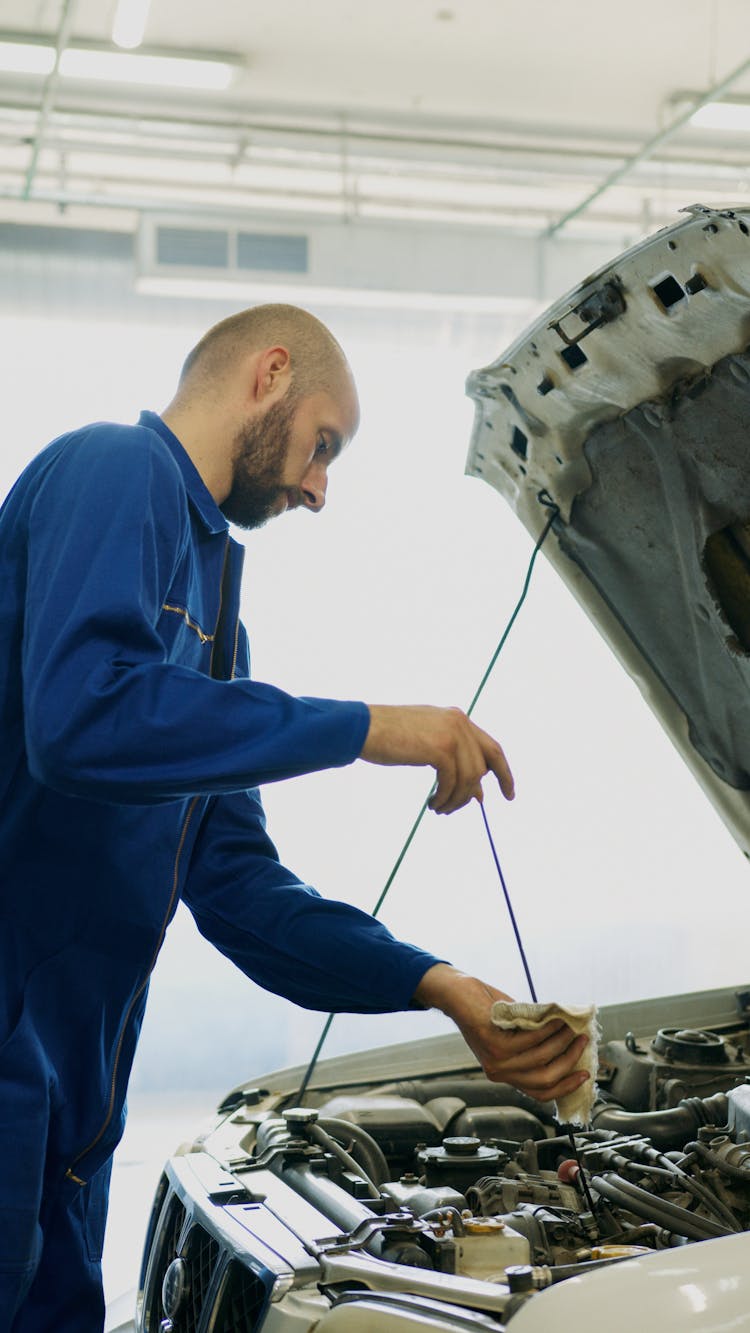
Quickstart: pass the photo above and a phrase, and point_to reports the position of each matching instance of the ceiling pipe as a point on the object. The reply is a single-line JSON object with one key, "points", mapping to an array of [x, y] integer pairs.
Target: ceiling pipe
{"points": [[648, 148], [48, 96]]}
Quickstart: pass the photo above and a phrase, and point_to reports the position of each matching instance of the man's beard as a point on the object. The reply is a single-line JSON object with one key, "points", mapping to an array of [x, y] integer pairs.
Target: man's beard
{"points": [[259, 458]]}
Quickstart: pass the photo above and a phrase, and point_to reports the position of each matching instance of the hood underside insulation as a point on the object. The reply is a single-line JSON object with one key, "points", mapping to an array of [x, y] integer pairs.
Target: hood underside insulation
{"points": [[663, 533]]}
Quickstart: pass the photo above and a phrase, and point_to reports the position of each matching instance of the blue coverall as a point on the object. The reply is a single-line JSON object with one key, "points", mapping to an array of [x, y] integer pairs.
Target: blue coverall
{"points": [[133, 741]]}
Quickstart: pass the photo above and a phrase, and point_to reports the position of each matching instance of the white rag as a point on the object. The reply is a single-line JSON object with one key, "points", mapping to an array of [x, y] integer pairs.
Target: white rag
{"points": [[576, 1106]]}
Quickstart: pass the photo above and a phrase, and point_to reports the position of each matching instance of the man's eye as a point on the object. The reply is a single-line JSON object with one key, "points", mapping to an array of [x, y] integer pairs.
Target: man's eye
{"points": [[321, 447]]}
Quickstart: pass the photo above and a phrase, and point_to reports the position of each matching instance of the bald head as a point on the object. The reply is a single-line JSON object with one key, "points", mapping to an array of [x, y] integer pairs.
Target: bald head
{"points": [[265, 403], [317, 362]]}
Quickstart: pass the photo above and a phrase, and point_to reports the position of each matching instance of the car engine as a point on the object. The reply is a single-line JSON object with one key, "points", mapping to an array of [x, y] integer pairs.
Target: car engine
{"points": [[445, 1197]]}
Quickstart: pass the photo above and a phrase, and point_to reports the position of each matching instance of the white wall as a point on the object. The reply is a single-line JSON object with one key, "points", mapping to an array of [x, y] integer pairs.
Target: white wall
{"points": [[398, 593]]}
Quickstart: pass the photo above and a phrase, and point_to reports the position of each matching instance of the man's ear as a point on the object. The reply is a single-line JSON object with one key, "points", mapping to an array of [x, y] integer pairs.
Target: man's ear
{"points": [[272, 374]]}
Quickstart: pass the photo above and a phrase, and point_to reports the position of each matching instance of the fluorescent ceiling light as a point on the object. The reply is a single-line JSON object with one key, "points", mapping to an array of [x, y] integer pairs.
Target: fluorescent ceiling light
{"points": [[161, 71], [723, 116], [116, 67], [25, 58], [130, 23]]}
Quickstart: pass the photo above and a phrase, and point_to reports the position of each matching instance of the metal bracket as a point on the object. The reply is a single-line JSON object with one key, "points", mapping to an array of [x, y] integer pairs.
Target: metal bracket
{"points": [[366, 1230], [600, 307]]}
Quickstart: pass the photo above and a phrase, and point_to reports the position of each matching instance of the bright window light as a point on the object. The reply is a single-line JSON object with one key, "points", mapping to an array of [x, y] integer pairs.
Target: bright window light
{"points": [[25, 58], [162, 71], [723, 116], [130, 23]]}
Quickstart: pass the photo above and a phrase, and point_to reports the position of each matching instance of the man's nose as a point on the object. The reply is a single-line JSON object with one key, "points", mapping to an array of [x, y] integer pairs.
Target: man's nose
{"points": [[314, 487]]}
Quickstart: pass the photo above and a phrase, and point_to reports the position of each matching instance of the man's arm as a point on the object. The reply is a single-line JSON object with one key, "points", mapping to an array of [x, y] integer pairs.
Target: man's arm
{"points": [[318, 952], [108, 718]]}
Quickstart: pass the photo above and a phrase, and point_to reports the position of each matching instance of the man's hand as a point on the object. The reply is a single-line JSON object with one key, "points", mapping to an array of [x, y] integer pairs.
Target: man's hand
{"points": [[444, 738], [538, 1063]]}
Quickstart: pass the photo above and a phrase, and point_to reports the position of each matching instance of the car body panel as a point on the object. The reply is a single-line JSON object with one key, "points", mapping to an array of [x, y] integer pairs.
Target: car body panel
{"points": [[704, 1287], [624, 408]]}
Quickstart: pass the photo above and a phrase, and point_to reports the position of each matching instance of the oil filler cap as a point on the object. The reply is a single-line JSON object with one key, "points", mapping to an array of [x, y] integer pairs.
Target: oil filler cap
{"points": [[462, 1145]]}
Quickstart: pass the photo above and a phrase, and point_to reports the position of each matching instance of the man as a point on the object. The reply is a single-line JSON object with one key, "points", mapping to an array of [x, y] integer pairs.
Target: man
{"points": [[133, 744]]}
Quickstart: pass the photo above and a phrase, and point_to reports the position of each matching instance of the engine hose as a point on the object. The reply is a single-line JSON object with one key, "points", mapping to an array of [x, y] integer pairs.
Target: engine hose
{"points": [[643, 1165], [715, 1160], [665, 1129], [668, 1215], [472, 1091], [367, 1151], [319, 1135], [702, 1192], [666, 1205], [560, 1272]]}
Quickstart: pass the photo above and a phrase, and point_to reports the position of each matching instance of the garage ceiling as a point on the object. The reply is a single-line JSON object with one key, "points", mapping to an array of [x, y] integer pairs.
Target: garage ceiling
{"points": [[471, 112]]}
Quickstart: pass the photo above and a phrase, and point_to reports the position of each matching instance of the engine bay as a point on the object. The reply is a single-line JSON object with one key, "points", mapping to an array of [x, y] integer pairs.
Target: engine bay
{"points": [[450, 1188]]}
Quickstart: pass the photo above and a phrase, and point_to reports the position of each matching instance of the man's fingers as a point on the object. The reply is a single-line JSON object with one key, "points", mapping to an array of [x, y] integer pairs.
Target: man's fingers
{"points": [[477, 754], [470, 768], [446, 784], [529, 1049], [537, 1067], [497, 763], [553, 1091]]}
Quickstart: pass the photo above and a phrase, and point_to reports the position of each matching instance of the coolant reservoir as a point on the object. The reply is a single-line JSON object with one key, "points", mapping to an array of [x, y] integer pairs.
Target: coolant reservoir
{"points": [[488, 1248]]}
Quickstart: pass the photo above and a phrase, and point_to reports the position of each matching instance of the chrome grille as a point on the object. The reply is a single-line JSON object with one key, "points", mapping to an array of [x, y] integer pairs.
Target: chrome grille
{"points": [[218, 1293], [201, 1253], [243, 1301], [167, 1239]]}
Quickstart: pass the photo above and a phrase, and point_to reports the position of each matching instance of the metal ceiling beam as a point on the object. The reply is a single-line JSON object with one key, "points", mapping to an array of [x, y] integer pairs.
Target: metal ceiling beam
{"points": [[152, 136], [519, 221], [648, 148], [319, 133], [48, 96]]}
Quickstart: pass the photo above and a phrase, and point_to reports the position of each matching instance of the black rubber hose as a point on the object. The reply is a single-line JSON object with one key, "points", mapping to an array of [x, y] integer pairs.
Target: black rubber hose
{"points": [[713, 1159], [666, 1205], [653, 1213], [671, 1171], [319, 1135], [668, 1215], [364, 1145], [702, 1192], [560, 1272], [665, 1129], [472, 1091]]}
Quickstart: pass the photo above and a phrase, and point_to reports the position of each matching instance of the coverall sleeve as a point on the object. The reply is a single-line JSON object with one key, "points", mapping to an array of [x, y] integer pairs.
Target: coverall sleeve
{"points": [[107, 717], [320, 953]]}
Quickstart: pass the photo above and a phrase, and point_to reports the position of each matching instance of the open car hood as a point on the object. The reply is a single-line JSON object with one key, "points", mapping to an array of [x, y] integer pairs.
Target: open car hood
{"points": [[627, 406]]}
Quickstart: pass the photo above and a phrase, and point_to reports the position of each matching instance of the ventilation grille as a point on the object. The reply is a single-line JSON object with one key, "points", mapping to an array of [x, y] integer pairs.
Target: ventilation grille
{"points": [[229, 251]]}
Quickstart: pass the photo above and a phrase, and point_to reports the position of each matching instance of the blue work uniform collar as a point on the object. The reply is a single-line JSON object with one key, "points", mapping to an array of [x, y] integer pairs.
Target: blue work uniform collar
{"points": [[198, 493]]}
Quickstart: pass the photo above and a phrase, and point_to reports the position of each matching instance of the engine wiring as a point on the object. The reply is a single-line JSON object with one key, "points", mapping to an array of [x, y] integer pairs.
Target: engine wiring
{"points": [[547, 502]]}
